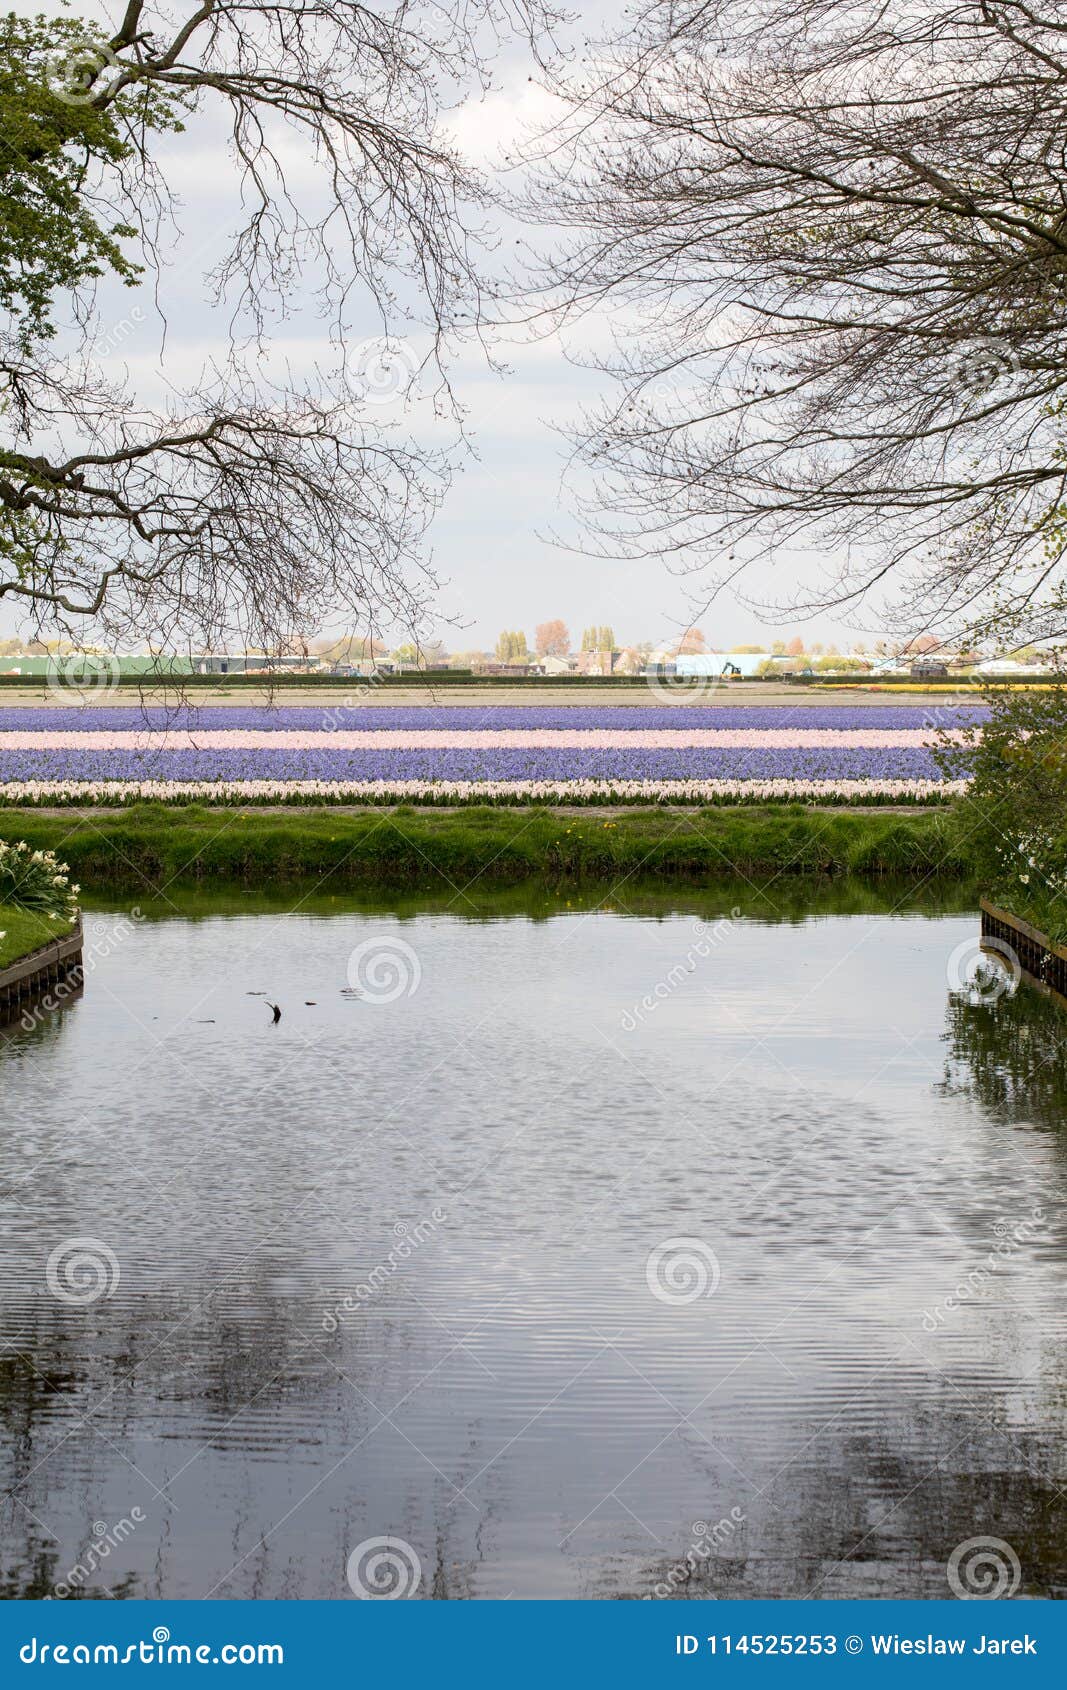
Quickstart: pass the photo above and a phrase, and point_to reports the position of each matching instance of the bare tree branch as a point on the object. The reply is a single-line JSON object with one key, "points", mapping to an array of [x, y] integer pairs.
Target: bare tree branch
{"points": [[253, 506], [834, 237]]}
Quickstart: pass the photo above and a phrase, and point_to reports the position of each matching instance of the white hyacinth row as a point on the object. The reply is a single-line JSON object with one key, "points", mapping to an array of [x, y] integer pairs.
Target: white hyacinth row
{"points": [[303, 792]]}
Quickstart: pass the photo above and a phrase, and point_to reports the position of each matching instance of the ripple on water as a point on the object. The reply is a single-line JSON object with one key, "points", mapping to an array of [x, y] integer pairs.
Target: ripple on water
{"points": [[414, 1268]]}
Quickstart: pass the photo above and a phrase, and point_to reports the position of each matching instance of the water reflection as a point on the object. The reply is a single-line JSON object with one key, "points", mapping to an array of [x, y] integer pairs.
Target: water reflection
{"points": [[384, 1267], [1010, 1056]]}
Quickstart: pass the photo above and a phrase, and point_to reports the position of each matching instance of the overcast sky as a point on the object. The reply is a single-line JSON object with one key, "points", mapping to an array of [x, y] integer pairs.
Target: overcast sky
{"points": [[507, 542]]}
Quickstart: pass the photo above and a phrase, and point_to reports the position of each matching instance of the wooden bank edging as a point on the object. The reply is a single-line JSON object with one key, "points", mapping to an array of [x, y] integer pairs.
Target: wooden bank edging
{"points": [[1039, 958], [25, 982]]}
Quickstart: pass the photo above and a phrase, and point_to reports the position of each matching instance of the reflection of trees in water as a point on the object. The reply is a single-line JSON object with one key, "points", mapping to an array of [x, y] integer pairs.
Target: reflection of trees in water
{"points": [[792, 897], [874, 1512], [30, 1566], [68, 1376], [248, 1376], [35, 1376], [878, 1515], [1009, 1056], [40, 1567]]}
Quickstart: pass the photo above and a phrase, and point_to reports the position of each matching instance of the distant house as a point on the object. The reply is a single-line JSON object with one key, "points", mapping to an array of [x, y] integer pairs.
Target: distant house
{"points": [[247, 662], [550, 665], [69, 663], [365, 667], [929, 669]]}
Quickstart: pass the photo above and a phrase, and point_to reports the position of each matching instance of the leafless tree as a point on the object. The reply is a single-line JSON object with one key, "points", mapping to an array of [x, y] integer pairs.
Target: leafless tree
{"points": [[832, 238], [252, 505]]}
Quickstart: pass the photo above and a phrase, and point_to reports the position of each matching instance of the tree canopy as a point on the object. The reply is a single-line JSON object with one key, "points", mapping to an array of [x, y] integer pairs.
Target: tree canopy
{"points": [[552, 639], [245, 504], [511, 647]]}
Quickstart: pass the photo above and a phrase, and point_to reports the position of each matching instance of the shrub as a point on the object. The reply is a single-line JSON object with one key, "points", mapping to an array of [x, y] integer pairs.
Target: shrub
{"points": [[36, 880], [1014, 816]]}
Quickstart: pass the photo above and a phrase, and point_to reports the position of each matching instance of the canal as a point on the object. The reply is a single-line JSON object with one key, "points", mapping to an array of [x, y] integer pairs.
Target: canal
{"points": [[710, 1246]]}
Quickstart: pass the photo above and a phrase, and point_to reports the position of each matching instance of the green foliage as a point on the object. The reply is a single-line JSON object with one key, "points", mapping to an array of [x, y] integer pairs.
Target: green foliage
{"points": [[1014, 817], [50, 135], [511, 647], [159, 844]]}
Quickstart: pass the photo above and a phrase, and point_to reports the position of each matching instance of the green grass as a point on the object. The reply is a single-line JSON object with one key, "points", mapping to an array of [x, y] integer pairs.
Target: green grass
{"points": [[22, 931], [149, 846]]}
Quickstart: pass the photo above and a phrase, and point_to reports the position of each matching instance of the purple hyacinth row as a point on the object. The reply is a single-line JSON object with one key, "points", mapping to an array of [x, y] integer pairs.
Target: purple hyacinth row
{"points": [[311, 763], [470, 718]]}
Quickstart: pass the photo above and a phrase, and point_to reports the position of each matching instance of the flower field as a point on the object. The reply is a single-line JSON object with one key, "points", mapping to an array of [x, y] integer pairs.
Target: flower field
{"points": [[449, 754]]}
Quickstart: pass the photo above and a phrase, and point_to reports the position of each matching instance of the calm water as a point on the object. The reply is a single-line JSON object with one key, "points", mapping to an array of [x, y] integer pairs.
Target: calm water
{"points": [[383, 1269]]}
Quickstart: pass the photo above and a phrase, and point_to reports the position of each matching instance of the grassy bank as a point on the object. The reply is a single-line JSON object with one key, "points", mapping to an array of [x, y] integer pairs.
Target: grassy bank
{"points": [[22, 931], [151, 846]]}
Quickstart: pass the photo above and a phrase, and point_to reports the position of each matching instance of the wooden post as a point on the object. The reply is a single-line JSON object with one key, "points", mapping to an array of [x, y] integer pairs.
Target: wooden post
{"points": [[38, 975], [1038, 956]]}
